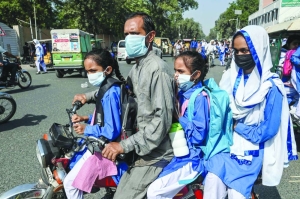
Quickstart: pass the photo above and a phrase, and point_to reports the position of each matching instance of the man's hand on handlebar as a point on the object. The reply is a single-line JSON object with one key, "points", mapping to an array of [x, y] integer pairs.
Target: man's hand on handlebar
{"points": [[111, 150], [79, 97]]}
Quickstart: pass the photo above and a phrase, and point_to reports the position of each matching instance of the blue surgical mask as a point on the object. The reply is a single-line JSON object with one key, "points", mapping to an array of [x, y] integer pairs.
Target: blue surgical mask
{"points": [[96, 78], [184, 82], [135, 45]]}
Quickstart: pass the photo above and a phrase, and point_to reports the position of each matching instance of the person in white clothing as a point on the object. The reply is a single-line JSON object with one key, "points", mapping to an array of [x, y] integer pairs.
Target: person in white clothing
{"points": [[39, 52], [209, 49]]}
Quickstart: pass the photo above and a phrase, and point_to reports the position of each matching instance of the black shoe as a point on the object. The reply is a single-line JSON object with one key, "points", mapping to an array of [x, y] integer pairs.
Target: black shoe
{"points": [[44, 72], [38, 72]]}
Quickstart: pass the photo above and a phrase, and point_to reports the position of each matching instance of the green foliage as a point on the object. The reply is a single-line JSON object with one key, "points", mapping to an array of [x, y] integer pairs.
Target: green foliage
{"points": [[225, 26], [190, 29], [10, 10], [212, 35], [105, 16]]}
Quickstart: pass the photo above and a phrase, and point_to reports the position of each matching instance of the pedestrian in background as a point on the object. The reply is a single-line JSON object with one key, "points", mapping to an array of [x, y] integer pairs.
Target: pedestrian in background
{"points": [[194, 45], [39, 52], [178, 47]]}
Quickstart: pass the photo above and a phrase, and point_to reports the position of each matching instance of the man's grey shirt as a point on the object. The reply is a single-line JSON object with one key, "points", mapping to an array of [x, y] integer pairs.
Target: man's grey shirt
{"points": [[153, 87]]}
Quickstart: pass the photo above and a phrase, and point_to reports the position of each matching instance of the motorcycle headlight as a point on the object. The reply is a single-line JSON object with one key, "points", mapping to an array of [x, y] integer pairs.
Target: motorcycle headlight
{"points": [[43, 153]]}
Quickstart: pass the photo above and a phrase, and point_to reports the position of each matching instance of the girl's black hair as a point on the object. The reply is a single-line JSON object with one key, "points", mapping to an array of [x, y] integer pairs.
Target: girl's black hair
{"points": [[104, 59], [194, 61], [290, 39]]}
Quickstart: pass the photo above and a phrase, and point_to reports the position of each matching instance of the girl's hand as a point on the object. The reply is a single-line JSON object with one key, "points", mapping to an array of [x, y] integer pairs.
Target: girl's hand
{"points": [[79, 128], [76, 118]]}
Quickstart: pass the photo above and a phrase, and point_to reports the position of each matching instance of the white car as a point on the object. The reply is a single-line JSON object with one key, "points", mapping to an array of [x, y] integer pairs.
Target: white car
{"points": [[122, 54]]}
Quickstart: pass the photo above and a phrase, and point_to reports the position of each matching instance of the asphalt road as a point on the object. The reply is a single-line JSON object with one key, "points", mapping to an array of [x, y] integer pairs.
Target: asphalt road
{"points": [[45, 102]]}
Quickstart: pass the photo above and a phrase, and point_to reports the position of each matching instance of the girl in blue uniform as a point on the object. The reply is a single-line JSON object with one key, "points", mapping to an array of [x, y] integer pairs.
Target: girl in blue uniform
{"points": [[222, 49], [100, 67], [190, 70], [263, 138]]}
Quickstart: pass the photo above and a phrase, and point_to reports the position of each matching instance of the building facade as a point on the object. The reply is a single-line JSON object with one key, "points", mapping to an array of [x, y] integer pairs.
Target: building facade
{"points": [[272, 12]]}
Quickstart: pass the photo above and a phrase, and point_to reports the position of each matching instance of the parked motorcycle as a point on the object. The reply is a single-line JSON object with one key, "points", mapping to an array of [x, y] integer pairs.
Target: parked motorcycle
{"points": [[54, 152], [8, 107], [22, 79]]}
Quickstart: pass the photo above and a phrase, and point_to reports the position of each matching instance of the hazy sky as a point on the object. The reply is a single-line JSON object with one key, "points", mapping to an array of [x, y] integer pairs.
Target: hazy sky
{"points": [[208, 12]]}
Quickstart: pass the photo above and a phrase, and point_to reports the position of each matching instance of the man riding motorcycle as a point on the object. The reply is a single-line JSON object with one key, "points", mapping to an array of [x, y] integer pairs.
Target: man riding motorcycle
{"points": [[7, 67], [210, 49]]}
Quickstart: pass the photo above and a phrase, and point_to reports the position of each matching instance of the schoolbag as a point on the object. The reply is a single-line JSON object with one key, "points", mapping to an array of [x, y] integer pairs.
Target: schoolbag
{"points": [[128, 112], [219, 138], [287, 65]]}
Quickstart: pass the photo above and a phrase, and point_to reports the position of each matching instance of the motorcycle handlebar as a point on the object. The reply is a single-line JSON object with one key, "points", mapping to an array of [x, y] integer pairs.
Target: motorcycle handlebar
{"points": [[102, 141], [77, 105]]}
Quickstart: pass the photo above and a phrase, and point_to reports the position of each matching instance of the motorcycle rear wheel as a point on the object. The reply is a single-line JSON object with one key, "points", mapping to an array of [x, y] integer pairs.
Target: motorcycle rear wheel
{"points": [[8, 108], [24, 79]]}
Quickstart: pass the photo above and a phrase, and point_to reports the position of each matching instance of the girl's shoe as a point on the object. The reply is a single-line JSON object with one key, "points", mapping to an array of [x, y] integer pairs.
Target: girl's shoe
{"points": [[38, 72]]}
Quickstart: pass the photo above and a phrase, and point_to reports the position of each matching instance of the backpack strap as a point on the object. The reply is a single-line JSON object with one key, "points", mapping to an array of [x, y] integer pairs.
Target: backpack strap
{"points": [[191, 104], [105, 86]]}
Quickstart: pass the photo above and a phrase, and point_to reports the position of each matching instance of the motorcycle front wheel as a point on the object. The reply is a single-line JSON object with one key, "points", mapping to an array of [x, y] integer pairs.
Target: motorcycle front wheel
{"points": [[8, 108], [24, 79]]}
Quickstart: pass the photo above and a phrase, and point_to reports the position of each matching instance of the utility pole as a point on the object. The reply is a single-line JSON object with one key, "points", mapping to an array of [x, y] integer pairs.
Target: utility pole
{"points": [[237, 12], [36, 36], [31, 28]]}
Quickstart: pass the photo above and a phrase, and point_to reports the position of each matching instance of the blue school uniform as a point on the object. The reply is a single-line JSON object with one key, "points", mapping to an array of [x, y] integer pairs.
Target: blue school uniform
{"points": [[195, 133], [240, 175], [111, 130]]}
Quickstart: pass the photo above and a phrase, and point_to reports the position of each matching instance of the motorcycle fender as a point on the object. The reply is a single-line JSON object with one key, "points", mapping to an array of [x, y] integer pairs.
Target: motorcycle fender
{"points": [[23, 70], [24, 191]]}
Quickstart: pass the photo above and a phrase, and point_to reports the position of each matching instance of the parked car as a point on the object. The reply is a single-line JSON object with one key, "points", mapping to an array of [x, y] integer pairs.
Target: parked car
{"points": [[122, 54]]}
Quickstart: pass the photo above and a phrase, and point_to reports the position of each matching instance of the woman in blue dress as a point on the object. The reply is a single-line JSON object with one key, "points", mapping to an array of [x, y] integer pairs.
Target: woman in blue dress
{"points": [[263, 138], [222, 49], [190, 70]]}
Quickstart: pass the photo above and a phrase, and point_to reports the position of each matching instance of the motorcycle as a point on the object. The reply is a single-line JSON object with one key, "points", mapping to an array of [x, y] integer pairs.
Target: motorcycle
{"points": [[54, 152], [22, 79], [8, 107]]}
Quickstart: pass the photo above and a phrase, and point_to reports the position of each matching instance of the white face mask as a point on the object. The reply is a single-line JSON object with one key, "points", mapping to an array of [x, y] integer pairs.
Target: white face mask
{"points": [[96, 78], [184, 82]]}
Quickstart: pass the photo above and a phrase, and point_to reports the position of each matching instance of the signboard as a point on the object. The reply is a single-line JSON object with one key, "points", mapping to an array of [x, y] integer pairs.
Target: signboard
{"points": [[2, 33], [68, 42], [238, 12], [290, 3]]}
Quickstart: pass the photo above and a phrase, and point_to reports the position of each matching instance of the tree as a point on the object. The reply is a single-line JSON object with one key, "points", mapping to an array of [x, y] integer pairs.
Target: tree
{"points": [[190, 29], [105, 16], [10, 10], [227, 27], [212, 35]]}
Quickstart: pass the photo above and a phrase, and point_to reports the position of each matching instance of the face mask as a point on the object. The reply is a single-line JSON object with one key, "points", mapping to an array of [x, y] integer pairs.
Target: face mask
{"points": [[135, 45], [244, 61], [96, 78], [184, 82]]}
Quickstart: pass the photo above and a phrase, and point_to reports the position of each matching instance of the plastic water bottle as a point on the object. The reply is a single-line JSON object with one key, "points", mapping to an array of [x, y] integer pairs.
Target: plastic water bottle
{"points": [[84, 85], [178, 140]]}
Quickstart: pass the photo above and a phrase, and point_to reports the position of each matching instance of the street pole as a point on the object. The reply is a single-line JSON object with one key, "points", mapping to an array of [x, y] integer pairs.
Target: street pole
{"points": [[31, 28], [36, 36]]}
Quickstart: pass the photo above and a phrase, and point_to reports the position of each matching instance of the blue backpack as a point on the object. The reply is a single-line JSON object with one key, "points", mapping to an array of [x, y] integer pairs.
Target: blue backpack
{"points": [[219, 138]]}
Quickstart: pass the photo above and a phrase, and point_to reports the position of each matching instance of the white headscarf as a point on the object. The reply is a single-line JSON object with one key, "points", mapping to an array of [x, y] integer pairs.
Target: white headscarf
{"points": [[36, 42], [248, 103]]}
